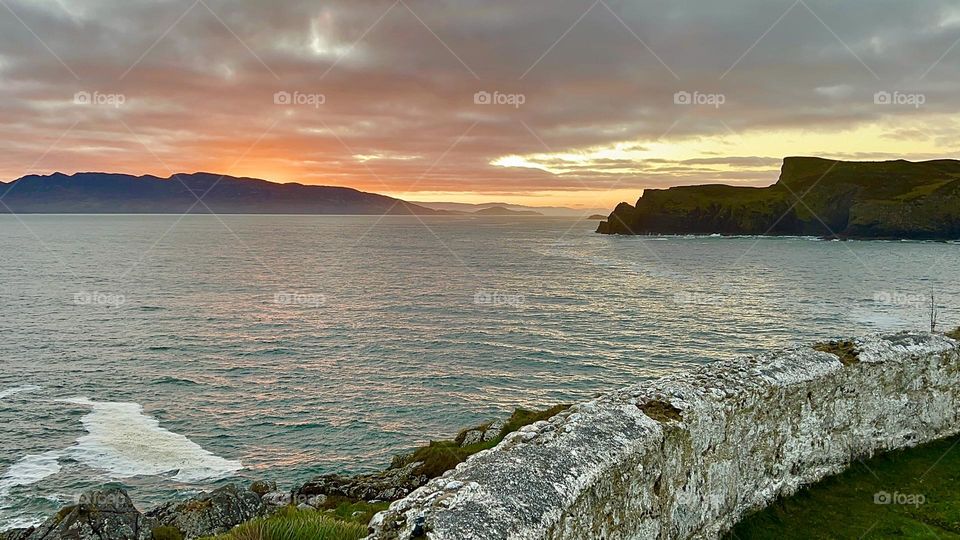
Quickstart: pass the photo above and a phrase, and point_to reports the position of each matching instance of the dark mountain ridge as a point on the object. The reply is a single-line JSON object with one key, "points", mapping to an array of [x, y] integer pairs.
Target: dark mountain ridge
{"points": [[105, 193], [816, 197]]}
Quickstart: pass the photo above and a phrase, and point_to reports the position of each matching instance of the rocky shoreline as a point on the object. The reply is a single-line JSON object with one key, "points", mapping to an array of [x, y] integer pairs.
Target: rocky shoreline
{"points": [[108, 512]]}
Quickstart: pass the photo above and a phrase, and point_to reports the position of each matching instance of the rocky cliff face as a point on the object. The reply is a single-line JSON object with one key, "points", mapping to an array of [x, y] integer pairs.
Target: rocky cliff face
{"points": [[819, 197], [688, 455]]}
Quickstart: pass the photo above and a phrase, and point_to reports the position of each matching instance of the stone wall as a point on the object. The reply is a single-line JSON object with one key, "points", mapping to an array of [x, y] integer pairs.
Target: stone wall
{"points": [[687, 456]]}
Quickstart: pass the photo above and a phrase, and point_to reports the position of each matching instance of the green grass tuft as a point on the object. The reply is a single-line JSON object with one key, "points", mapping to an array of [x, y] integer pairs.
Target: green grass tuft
{"points": [[910, 493], [346, 509], [294, 524], [525, 417], [166, 533], [439, 457]]}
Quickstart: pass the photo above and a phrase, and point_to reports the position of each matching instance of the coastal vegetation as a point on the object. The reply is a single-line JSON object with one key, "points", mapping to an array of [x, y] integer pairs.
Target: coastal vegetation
{"points": [[908, 493], [296, 524], [813, 197], [341, 517], [441, 456]]}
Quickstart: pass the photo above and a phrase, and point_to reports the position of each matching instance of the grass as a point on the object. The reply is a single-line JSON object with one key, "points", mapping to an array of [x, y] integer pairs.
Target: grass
{"points": [[441, 456], [955, 334], [166, 533], [294, 524], [904, 494], [342, 518], [346, 509]]}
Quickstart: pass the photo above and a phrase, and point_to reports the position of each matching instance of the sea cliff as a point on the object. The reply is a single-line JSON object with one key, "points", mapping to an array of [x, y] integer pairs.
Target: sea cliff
{"points": [[813, 197]]}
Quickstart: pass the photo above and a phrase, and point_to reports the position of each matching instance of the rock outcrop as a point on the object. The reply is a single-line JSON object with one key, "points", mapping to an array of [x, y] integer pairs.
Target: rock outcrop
{"points": [[688, 455], [388, 485], [109, 514], [106, 514], [210, 513]]}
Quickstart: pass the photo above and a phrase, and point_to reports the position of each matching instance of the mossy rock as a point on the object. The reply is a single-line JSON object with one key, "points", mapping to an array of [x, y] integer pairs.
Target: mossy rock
{"points": [[197, 505], [262, 487]]}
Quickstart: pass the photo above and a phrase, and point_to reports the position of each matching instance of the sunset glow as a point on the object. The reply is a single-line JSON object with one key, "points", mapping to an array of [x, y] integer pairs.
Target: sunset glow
{"points": [[403, 99]]}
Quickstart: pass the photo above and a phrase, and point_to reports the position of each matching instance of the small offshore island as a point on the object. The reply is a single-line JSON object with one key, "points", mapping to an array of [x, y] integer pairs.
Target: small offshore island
{"points": [[813, 197]]}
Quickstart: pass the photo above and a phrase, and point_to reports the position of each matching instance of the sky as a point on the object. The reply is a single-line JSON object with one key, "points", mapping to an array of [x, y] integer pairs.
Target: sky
{"points": [[543, 102]]}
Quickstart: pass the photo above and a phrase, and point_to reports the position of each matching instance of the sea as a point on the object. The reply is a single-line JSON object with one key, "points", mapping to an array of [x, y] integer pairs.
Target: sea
{"points": [[172, 354]]}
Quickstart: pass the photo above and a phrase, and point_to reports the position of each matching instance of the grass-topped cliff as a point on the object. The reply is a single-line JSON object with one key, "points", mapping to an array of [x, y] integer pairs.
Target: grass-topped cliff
{"points": [[821, 197]]}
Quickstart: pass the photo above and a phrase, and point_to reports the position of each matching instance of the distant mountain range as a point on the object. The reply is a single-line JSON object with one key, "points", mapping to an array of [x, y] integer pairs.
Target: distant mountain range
{"points": [[814, 196], [517, 209], [106, 193], [94, 193], [501, 211]]}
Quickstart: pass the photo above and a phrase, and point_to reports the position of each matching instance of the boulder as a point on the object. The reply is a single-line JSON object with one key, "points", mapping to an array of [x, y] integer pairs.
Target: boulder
{"points": [[388, 485], [473, 436], [262, 487], [277, 498], [317, 501], [104, 514], [493, 430], [210, 513]]}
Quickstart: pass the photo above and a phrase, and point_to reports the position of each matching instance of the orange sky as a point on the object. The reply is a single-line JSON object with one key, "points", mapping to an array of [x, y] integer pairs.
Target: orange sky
{"points": [[544, 102]]}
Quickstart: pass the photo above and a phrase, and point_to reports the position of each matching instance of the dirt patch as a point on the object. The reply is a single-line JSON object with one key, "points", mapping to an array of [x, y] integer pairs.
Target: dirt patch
{"points": [[661, 411], [845, 350]]}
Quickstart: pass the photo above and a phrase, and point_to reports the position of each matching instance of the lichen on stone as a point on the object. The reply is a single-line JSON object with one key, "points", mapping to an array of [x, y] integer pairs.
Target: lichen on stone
{"points": [[751, 430]]}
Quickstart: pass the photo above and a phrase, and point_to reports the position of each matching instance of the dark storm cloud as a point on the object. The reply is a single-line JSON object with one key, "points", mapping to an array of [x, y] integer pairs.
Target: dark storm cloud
{"points": [[398, 79]]}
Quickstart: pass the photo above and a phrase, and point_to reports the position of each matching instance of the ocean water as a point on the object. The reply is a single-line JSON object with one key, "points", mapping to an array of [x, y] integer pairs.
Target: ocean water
{"points": [[172, 354]]}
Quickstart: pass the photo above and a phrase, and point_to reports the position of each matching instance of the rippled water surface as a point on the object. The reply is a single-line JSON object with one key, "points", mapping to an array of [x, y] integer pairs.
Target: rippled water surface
{"points": [[170, 353]]}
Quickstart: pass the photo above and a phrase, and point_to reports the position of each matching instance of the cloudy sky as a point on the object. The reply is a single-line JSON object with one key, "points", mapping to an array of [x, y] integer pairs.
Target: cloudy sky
{"points": [[578, 102]]}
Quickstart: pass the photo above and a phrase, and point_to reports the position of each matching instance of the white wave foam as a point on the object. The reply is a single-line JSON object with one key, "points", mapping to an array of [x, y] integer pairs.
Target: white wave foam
{"points": [[29, 470], [22, 522], [18, 390], [124, 442]]}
